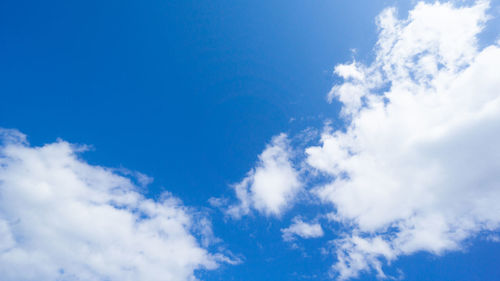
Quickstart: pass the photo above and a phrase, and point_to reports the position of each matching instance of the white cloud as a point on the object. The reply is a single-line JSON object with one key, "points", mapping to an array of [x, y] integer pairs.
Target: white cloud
{"points": [[302, 229], [63, 219], [417, 166], [271, 186]]}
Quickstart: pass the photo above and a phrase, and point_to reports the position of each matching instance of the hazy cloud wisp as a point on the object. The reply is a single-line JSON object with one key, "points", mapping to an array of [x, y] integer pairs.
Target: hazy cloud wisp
{"points": [[271, 186]]}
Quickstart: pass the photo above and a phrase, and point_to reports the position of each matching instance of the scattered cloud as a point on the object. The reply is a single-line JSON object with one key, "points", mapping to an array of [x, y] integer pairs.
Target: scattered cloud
{"points": [[416, 168], [64, 219], [302, 229], [271, 186]]}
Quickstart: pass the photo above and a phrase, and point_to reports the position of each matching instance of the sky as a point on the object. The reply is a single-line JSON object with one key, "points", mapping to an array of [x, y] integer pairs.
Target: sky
{"points": [[247, 140]]}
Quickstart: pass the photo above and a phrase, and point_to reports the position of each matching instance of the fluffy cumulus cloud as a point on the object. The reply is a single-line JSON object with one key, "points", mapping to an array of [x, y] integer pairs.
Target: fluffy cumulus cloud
{"points": [[63, 219], [302, 229], [271, 186], [416, 168]]}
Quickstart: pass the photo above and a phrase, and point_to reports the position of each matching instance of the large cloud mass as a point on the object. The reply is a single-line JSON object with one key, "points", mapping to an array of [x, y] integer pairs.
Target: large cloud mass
{"points": [[417, 167], [63, 219]]}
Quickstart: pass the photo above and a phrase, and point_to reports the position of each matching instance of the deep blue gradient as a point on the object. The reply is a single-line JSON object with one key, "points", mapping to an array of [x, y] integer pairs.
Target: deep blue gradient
{"points": [[189, 92]]}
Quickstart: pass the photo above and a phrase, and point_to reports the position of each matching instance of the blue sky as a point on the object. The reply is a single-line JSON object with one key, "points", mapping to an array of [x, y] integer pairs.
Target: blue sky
{"points": [[192, 94]]}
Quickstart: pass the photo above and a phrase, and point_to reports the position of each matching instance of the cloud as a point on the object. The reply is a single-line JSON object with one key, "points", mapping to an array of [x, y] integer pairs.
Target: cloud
{"points": [[64, 219], [416, 168], [302, 229], [271, 186]]}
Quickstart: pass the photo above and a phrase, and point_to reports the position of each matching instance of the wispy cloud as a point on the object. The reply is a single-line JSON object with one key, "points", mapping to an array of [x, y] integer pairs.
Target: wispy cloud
{"points": [[271, 186], [302, 229]]}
